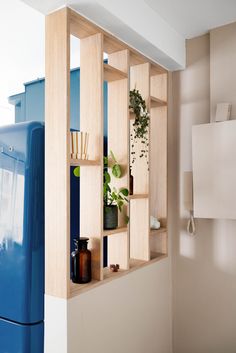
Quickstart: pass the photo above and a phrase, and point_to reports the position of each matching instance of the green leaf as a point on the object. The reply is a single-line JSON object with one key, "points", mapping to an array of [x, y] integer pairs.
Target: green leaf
{"points": [[113, 157], [105, 160], [116, 171], [107, 177], [124, 191], [77, 172], [126, 219], [114, 195]]}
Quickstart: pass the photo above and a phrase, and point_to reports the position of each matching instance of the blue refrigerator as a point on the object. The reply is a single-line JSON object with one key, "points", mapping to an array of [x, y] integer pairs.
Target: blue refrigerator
{"points": [[22, 238]]}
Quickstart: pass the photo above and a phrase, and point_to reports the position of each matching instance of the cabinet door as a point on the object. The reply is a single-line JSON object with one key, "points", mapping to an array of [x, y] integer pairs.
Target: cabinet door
{"points": [[214, 170]]}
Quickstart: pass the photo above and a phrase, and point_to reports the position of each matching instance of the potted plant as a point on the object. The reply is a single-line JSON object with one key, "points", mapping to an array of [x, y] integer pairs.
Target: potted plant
{"points": [[138, 106], [113, 199]]}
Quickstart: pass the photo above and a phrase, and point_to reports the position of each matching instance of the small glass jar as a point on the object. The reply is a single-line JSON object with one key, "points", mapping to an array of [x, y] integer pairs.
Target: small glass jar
{"points": [[81, 262]]}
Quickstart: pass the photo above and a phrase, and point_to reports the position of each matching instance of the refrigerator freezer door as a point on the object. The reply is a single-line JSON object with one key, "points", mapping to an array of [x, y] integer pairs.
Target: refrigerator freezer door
{"points": [[22, 223], [16, 338]]}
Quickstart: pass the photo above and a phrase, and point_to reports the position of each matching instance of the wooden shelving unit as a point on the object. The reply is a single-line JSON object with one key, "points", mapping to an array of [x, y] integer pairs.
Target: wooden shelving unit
{"points": [[118, 230], [138, 196], [158, 231], [156, 102], [132, 246], [83, 162], [112, 74]]}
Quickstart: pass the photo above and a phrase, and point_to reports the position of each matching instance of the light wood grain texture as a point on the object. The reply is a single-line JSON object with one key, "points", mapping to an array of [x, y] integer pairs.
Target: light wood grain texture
{"points": [[91, 121], [159, 86], [159, 244], [134, 264], [81, 27], [138, 196], [109, 232], [112, 45], [113, 74], [158, 163], [136, 59], [118, 143], [156, 69], [94, 41], [156, 102], [83, 162], [139, 202], [57, 156], [158, 231], [118, 250], [139, 229]]}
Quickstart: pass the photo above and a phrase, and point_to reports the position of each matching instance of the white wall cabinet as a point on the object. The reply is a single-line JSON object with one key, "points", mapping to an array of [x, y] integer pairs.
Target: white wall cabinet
{"points": [[214, 170]]}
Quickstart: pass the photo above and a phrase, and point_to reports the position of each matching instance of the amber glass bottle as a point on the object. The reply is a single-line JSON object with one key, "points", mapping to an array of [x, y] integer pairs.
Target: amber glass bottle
{"points": [[81, 262]]}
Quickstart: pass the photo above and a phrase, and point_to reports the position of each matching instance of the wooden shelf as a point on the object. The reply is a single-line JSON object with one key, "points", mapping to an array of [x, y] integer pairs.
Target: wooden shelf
{"points": [[156, 102], [157, 256], [113, 74], [118, 230], [83, 162], [108, 275], [126, 69], [158, 231], [138, 196]]}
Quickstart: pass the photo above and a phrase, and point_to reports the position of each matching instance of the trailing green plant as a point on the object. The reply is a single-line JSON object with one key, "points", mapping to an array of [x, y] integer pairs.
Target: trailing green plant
{"points": [[113, 196], [137, 105]]}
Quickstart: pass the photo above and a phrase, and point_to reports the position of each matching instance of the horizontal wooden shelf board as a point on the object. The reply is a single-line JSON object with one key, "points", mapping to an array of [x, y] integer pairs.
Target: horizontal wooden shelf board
{"points": [[113, 74], [138, 196], [156, 102], [157, 256], [158, 231], [83, 162], [118, 230], [77, 289]]}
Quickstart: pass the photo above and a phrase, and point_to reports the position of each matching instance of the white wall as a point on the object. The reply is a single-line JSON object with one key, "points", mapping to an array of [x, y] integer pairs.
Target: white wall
{"points": [[204, 266], [129, 315]]}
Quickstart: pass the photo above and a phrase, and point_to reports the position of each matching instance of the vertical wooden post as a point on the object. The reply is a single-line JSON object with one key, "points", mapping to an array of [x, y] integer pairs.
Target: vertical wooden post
{"points": [[118, 142], [158, 155], [139, 208], [91, 121], [158, 160], [57, 172]]}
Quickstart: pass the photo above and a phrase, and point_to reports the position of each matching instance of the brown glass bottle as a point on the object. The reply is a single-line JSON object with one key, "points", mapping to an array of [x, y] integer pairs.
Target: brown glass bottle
{"points": [[81, 262]]}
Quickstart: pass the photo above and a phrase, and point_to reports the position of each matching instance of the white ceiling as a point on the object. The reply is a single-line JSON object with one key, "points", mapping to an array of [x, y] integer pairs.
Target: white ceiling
{"points": [[191, 18]]}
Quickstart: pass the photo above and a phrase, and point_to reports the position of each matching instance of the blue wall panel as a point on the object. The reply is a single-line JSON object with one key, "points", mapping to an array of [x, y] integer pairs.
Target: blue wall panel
{"points": [[30, 105]]}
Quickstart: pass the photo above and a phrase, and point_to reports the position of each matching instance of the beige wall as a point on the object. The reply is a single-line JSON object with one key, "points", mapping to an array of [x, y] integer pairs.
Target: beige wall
{"points": [[129, 315], [204, 266], [222, 64]]}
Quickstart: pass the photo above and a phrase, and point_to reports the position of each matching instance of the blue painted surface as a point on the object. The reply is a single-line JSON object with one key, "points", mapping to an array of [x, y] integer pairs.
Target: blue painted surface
{"points": [[15, 338], [30, 106], [22, 237]]}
